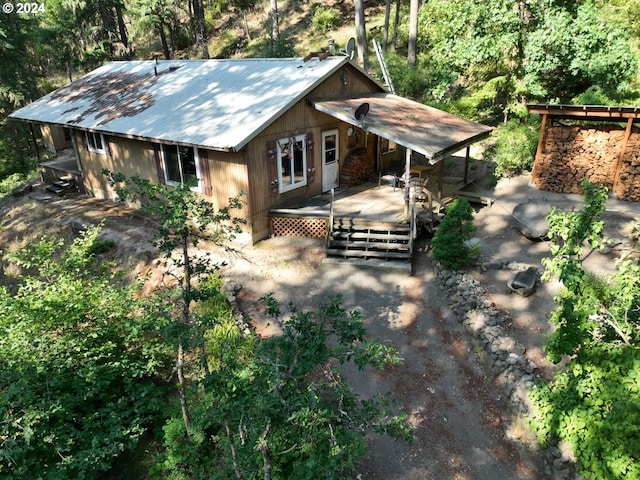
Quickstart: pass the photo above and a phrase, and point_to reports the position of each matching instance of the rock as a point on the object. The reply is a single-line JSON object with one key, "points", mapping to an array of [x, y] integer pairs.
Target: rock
{"points": [[22, 190], [475, 320], [78, 226], [524, 283], [531, 219], [562, 474]]}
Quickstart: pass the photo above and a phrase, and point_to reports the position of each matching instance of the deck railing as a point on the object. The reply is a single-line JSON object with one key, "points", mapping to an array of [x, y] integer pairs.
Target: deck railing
{"points": [[413, 223], [330, 229]]}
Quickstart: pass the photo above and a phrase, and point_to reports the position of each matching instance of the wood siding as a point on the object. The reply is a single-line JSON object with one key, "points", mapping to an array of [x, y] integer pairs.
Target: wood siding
{"points": [[228, 177], [130, 157], [53, 138]]}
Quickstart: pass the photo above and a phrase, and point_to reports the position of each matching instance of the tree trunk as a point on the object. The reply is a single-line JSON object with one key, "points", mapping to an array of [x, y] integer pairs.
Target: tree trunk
{"points": [[275, 28], [200, 28], [122, 27], [246, 25], [234, 453], [361, 34], [266, 454], [385, 32], [163, 40], [186, 417], [108, 24], [396, 23], [413, 33]]}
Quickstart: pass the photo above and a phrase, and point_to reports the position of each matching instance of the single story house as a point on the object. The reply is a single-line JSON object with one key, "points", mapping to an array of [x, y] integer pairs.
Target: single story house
{"points": [[278, 129]]}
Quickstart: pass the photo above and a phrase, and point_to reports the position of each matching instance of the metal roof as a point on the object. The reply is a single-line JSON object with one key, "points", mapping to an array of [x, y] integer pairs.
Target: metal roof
{"points": [[216, 104], [615, 113], [434, 133]]}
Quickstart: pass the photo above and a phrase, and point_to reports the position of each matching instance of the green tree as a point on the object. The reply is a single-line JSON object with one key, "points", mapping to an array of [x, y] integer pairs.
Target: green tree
{"points": [[451, 242], [543, 50], [594, 402], [161, 17], [185, 219], [283, 409], [18, 86], [80, 356], [515, 146]]}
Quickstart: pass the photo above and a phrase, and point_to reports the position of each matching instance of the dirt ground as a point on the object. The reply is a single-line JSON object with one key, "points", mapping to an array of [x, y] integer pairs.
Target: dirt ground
{"points": [[464, 429]]}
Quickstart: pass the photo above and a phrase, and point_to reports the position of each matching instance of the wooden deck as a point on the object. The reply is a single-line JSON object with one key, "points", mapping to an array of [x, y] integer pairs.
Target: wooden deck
{"points": [[65, 166], [366, 202]]}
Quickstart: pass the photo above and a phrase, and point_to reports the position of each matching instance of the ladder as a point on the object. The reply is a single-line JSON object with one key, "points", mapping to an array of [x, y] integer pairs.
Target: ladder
{"points": [[383, 66]]}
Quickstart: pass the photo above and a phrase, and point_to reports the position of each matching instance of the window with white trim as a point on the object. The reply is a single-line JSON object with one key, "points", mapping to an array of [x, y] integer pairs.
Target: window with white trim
{"points": [[95, 142], [181, 166], [292, 163]]}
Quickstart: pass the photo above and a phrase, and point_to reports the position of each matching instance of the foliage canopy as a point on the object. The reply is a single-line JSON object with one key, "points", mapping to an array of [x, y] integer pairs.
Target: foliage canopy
{"points": [[80, 356], [283, 409], [593, 403]]}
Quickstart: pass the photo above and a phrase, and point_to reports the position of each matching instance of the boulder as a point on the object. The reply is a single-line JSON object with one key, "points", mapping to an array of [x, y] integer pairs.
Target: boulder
{"points": [[531, 219], [524, 283]]}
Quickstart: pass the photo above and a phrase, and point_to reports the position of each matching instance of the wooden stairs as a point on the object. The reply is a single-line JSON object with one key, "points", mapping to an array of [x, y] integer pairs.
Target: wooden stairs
{"points": [[63, 185], [368, 243]]}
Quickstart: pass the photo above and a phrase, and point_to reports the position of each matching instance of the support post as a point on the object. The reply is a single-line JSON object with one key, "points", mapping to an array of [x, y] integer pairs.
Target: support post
{"points": [[540, 149], [466, 165], [623, 148], [440, 177], [35, 143], [407, 168]]}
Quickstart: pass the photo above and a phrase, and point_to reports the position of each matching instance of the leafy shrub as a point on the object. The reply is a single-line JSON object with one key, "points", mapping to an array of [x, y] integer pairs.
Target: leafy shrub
{"points": [[325, 19], [283, 47], [413, 82], [451, 242], [592, 96], [514, 148], [284, 404], [101, 245], [484, 103], [10, 182], [79, 362], [593, 403]]}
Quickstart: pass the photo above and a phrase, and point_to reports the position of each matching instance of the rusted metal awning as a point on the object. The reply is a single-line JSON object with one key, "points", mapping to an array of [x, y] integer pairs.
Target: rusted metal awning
{"points": [[433, 133]]}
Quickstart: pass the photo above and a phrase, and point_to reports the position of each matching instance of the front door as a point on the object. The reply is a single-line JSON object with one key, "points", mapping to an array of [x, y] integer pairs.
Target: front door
{"points": [[330, 164]]}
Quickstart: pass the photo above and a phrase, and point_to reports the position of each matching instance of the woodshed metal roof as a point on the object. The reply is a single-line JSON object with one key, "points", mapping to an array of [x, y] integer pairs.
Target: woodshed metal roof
{"points": [[216, 104], [434, 133], [614, 113]]}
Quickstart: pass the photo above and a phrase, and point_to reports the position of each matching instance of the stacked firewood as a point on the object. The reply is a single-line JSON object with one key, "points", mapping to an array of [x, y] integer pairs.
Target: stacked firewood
{"points": [[573, 153], [628, 185], [356, 169]]}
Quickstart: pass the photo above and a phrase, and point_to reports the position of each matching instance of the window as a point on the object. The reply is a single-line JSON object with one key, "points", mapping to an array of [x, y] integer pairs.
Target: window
{"points": [[292, 163], [181, 165], [95, 142]]}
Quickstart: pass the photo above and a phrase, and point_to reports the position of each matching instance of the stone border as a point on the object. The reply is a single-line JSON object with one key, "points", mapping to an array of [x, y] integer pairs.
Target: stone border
{"points": [[502, 353]]}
